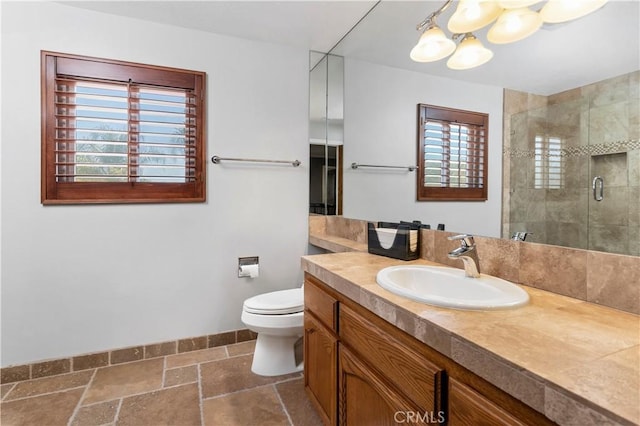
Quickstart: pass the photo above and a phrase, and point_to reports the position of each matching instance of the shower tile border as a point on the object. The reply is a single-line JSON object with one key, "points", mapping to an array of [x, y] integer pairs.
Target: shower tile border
{"points": [[53, 367], [616, 147]]}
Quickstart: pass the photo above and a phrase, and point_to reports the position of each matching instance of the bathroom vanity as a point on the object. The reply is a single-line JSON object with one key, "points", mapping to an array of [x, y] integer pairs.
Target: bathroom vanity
{"points": [[380, 375], [372, 357]]}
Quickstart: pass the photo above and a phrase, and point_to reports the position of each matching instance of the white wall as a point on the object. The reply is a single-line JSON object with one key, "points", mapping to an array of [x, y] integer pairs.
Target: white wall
{"points": [[380, 129], [77, 279]]}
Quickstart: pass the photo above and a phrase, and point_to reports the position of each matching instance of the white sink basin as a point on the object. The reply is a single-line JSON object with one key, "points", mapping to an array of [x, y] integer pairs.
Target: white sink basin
{"points": [[449, 288]]}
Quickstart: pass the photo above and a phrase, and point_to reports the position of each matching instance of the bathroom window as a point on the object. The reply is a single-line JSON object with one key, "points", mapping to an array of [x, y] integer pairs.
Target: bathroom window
{"points": [[452, 154], [120, 132], [549, 163]]}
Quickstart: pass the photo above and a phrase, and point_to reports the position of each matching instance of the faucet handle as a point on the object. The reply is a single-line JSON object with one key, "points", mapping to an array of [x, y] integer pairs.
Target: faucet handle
{"points": [[466, 240], [520, 235]]}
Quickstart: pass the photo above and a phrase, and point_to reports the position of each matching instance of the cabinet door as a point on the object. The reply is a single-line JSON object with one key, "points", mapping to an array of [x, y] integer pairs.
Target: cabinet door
{"points": [[320, 367], [419, 379], [468, 407], [366, 399]]}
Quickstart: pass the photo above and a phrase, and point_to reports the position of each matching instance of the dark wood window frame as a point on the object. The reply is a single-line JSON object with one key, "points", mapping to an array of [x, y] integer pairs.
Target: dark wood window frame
{"points": [[61, 187], [477, 161]]}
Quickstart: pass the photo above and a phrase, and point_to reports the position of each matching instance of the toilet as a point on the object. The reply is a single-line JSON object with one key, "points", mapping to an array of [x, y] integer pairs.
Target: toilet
{"points": [[278, 319]]}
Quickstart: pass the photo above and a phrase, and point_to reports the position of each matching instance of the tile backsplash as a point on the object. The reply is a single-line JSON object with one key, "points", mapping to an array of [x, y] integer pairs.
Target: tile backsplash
{"points": [[607, 279]]}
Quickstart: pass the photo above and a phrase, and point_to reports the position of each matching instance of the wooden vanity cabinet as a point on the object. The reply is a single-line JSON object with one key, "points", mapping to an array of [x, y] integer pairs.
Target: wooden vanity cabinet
{"points": [[320, 351], [362, 370]]}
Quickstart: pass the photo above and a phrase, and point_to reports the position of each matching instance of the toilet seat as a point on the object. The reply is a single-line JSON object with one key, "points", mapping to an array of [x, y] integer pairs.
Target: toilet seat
{"points": [[276, 303]]}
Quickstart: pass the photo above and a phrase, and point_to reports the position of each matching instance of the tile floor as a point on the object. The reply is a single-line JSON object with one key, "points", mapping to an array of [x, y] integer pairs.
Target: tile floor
{"points": [[210, 387]]}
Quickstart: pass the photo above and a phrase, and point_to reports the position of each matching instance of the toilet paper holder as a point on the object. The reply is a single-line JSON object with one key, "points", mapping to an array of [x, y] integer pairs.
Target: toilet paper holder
{"points": [[248, 267]]}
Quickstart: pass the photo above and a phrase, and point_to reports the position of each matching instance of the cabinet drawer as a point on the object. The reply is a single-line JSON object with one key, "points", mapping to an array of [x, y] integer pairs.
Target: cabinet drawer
{"points": [[412, 374], [468, 407], [318, 301]]}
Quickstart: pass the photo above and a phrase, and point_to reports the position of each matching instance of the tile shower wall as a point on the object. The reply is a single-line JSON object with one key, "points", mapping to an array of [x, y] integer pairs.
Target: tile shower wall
{"points": [[555, 146]]}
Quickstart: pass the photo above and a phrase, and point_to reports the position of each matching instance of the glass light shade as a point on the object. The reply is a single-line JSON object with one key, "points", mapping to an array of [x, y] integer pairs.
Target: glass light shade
{"points": [[514, 25], [432, 46], [556, 11], [471, 15], [469, 54], [517, 4]]}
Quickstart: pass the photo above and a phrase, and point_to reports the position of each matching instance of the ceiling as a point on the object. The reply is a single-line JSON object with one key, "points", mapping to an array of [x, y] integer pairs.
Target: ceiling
{"points": [[556, 58], [314, 25]]}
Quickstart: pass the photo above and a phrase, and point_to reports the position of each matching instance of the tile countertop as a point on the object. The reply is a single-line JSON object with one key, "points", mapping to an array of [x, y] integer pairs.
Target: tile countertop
{"points": [[574, 361]]}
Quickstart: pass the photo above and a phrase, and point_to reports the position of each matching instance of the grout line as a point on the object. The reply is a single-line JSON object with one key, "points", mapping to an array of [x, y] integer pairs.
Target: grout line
{"points": [[115, 419], [13, 385], [237, 391], [45, 393], [284, 408], [164, 371], [201, 406], [252, 388], [84, 393]]}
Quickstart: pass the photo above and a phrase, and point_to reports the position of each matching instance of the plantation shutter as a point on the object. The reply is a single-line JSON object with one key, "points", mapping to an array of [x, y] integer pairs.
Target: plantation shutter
{"points": [[121, 132], [452, 152]]}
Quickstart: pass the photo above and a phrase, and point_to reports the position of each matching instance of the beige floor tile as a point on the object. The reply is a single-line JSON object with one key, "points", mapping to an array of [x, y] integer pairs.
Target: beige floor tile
{"points": [[49, 384], [297, 404], [132, 394], [196, 357], [181, 376], [259, 406], [125, 379], [175, 406], [52, 409], [243, 348], [96, 414], [233, 374]]}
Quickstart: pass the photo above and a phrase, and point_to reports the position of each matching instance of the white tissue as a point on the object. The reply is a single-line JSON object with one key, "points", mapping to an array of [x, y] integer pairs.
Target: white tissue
{"points": [[386, 237], [251, 271]]}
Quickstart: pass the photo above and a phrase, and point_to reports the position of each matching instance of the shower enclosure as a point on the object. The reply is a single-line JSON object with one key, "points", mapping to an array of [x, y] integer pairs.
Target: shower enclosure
{"points": [[572, 166]]}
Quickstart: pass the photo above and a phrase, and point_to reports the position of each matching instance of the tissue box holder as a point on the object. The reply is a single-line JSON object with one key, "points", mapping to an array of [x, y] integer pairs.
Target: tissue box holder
{"points": [[401, 247]]}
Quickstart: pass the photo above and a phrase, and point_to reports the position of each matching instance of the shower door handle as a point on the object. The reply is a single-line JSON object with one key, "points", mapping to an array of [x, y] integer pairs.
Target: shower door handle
{"points": [[598, 188]]}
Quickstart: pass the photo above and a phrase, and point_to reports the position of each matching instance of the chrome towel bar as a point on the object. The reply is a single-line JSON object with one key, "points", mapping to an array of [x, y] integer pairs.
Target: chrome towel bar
{"points": [[216, 160], [409, 168]]}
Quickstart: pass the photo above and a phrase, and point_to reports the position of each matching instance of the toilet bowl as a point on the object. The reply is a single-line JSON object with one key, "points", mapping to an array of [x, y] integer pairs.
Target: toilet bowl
{"points": [[278, 318]]}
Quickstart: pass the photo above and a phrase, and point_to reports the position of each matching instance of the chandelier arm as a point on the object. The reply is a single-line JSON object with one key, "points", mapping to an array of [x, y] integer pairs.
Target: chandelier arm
{"points": [[429, 19]]}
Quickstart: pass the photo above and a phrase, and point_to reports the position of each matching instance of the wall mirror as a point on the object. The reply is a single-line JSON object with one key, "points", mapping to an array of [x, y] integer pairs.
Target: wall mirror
{"points": [[326, 123], [555, 141]]}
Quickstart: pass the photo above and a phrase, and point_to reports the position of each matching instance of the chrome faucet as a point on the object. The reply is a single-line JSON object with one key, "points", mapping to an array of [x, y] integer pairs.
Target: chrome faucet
{"points": [[520, 235], [467, 253]]}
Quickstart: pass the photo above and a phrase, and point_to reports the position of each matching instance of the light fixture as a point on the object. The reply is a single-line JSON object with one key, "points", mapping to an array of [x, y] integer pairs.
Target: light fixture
{"points": [[469, 54], [514, 25], [517, 4], [471, 15], [515, 21], [432, 46], [556, 11]]}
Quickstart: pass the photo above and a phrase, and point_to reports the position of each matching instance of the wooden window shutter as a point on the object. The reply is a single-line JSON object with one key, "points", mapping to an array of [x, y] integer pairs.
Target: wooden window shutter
{"points": [[452, 154], [116, 132]]}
